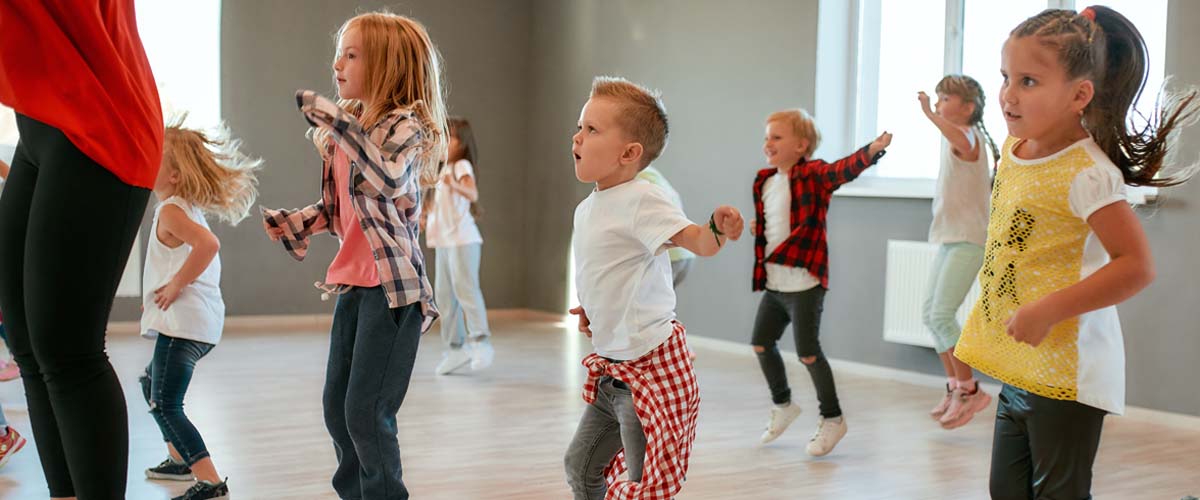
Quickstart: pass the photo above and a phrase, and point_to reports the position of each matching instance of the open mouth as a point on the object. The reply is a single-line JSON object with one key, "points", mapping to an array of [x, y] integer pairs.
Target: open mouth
{"points": [[1009, 115]]}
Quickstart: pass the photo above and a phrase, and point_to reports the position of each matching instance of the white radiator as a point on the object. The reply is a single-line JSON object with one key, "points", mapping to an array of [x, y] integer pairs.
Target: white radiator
{"points": [[908, 267]]}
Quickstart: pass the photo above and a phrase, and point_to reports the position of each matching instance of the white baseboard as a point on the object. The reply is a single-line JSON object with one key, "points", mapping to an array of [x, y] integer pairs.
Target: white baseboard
{"points": [[1178, 420], [284, 323]]}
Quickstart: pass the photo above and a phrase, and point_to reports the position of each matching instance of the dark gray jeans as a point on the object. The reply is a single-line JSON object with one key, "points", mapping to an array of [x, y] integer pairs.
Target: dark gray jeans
{"points": [[608, 425], [371, 353], [803, 311]]}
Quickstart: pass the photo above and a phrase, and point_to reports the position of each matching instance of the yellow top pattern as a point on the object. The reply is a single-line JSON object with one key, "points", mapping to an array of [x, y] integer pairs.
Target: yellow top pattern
{"points": [[1034, 247]]}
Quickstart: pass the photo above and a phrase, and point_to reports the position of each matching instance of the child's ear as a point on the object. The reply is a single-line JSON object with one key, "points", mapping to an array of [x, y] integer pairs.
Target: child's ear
{"points": [[1084, 94], [632, 153], [803, 148]]}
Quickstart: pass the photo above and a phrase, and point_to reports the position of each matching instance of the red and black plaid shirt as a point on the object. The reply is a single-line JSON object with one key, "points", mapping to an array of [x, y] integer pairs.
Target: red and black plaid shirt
{"points": [[813, 183]]}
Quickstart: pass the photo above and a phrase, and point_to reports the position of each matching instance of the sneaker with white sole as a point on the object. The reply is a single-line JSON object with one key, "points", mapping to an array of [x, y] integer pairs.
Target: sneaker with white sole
{"points": [[970, 404], [453, 360], [482, 354], [781, 418], [829, 432], [170, 470]]}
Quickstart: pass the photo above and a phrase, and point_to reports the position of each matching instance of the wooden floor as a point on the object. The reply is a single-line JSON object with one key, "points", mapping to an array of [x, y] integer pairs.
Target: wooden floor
{"points": [[501, 434]]}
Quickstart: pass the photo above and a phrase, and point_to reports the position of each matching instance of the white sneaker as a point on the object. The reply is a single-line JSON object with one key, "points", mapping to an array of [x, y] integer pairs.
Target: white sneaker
{"points": [[482, 354], [452, 360], [781, 418], [829, 432]]}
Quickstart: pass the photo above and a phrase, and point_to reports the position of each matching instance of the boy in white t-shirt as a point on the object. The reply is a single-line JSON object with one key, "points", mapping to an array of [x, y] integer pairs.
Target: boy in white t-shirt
{"points": [[641, 385]]}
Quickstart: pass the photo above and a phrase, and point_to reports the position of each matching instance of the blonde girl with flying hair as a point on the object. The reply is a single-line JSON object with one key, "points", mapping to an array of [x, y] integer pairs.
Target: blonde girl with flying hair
{"points": [[379, 145], [182, 309]]}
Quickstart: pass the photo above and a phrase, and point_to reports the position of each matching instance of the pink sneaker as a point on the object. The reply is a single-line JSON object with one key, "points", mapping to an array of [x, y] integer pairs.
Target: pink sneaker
{"points": [[9, 371]]}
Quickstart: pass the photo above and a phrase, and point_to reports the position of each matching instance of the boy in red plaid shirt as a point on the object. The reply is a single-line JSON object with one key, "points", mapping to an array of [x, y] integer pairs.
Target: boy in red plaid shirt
{"points": [[791, 262], [641, 388]]}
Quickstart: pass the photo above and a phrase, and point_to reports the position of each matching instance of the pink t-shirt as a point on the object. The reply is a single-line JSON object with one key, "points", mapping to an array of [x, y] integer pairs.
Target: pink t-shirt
{"points": [[354, 263]]}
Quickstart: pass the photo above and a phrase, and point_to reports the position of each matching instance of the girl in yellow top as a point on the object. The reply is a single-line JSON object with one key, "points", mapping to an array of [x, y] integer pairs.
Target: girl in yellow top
{"points": [[1063, 246]]}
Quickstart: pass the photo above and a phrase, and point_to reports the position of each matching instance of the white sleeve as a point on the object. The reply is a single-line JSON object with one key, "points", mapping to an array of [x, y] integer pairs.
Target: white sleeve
{"points": [[657, 219], [463, 168], [1096, 188]]}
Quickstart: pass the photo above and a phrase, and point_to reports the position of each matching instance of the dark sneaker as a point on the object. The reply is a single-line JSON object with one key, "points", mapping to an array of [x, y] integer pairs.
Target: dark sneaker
{"points": [[170, 470], [204, 490]]}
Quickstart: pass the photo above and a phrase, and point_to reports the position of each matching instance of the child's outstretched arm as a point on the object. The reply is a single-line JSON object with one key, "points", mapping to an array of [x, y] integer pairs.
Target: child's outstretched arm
{"points": [[833, 175], [958, 139], [706, 240], [1130, 270], [385, 165], [175, 222]]}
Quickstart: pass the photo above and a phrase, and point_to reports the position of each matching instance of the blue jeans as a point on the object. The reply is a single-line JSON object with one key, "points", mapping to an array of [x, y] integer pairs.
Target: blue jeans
{"points": [[164, 385], [372, 350], [459, 298], [953, 272]]}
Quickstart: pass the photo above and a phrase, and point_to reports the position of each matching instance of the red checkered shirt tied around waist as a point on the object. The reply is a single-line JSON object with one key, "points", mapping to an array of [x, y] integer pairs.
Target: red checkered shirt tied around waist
{"points": [[666, 399], [812, 185]]}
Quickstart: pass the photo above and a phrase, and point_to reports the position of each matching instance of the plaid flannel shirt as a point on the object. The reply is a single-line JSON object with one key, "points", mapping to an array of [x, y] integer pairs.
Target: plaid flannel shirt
{"points": [[666, 398], [383, 180], [812, 184]]}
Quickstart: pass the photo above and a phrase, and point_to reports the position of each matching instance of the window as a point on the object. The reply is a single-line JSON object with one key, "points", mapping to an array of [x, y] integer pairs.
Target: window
{"points": [[907, 45]]}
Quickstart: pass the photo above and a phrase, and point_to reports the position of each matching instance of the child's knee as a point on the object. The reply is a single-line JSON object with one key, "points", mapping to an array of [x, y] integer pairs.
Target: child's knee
{"points": [[808, 360], [759, 349]]}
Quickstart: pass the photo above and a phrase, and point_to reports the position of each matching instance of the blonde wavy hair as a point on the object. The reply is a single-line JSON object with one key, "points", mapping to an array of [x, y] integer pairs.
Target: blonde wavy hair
{"points": [[214, 175], [403, 71]]}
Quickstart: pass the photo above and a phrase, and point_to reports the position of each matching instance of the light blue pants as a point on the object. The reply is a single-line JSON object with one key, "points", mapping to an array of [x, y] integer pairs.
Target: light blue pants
{"points": [[459, 298], [954, 271]]}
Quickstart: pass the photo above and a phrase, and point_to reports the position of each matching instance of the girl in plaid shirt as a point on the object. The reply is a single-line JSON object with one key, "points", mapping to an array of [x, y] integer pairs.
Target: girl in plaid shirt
{"points": [[387, 132], [791, 262]]}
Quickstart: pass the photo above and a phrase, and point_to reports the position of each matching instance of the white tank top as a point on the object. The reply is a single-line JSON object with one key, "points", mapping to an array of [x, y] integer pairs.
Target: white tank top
{"points": [[960, 203], [199, 312]]}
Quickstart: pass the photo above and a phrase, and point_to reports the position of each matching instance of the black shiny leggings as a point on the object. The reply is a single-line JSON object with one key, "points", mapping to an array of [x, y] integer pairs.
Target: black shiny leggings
{"points": [[1043, 448]]}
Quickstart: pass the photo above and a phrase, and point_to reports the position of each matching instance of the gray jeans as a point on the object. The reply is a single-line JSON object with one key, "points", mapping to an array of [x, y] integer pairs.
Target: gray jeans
{"points": [[608, 425]]}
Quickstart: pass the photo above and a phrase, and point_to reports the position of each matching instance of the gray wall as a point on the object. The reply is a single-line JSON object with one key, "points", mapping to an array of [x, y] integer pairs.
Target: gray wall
{"points": [[270, 48]]}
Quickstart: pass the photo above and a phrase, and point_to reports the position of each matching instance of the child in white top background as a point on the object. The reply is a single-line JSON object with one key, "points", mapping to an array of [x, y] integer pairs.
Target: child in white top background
{"points": [[959, 228], [451, 230]]}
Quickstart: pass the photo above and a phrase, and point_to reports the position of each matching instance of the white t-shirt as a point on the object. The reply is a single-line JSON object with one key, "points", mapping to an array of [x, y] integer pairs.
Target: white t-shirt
{"points": [[450, 223], [199, 312], [621, 267], [777, 210], [960, 203]]}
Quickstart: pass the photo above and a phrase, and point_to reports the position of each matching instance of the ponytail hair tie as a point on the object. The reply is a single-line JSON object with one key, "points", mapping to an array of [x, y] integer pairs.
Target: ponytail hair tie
{"points": [[1089, 13]]}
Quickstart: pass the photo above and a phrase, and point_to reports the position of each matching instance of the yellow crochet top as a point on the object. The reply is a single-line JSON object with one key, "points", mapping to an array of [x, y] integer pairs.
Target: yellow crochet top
{"points": [[1035, 246]]}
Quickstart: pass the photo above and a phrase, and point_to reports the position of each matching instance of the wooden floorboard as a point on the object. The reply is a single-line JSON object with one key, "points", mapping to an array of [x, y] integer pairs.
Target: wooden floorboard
{"points": [[501, 434]]}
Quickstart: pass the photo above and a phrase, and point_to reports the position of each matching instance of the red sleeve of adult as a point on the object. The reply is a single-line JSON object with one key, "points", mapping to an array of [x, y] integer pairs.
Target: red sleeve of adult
{"points": [[79, 66]]}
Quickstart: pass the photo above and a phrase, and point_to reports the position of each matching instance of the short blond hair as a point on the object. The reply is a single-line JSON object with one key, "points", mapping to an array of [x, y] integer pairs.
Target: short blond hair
{"points": [[802, 125], [643, 116]]}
